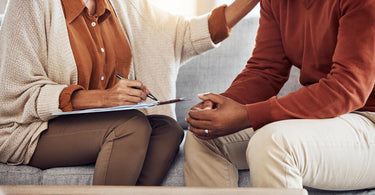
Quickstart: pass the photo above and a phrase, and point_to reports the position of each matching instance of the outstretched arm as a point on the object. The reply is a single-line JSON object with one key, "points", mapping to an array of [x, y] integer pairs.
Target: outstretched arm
{"points": [[224, 18], [237, 10]]}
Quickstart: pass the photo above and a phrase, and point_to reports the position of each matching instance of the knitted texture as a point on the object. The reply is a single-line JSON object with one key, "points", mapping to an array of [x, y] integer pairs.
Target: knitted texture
{"points": [[37, 63]]}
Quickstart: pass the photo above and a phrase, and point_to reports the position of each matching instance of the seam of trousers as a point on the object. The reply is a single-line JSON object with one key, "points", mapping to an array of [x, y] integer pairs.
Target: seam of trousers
{"points": [[220, 157], [286, 168], [228, 164], [228, 174], [106, 172]]}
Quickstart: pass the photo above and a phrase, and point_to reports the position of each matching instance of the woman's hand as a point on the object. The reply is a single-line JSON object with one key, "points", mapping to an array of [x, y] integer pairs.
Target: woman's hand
{"points": [[125, 92], [237, 10], [219, 115]]}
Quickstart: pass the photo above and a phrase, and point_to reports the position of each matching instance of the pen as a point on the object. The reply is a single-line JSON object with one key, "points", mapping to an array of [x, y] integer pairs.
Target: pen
{"points": [[172, 101], [148, 95]]}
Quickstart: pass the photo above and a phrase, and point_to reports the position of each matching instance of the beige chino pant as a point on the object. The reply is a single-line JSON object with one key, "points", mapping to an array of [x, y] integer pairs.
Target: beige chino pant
{"points": [[331, 154]]}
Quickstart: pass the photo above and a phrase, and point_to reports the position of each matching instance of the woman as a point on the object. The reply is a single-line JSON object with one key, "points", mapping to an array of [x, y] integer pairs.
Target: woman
{"points": [[64, 55]]}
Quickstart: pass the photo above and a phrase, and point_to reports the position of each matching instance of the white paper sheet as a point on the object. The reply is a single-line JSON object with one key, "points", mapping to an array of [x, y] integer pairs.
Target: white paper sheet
{"points": [[119, 108]]}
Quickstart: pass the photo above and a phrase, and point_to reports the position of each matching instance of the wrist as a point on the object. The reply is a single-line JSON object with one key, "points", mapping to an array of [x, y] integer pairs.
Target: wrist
{"points": [[237, 10], [86, 99], [245, 117]]}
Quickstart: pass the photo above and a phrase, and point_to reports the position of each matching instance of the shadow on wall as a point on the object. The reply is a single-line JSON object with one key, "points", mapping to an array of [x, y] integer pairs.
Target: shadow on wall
{"points": [[1, 18]]}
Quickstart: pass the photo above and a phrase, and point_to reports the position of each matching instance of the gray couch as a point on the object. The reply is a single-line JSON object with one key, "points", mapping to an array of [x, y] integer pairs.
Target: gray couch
{"points": [[211, 72]]}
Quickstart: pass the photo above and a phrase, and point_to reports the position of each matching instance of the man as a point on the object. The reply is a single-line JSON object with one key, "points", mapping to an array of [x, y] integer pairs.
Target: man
{"points": [[64, 55], [321, 136]]}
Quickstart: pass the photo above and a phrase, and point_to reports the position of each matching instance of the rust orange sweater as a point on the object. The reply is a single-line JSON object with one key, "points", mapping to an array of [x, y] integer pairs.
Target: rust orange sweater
{"points": [[332, 42]]}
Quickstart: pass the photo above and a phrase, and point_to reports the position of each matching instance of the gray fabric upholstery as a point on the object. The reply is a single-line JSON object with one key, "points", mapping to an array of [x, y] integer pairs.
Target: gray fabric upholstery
{"points": [[19, 175], [211, 72]]}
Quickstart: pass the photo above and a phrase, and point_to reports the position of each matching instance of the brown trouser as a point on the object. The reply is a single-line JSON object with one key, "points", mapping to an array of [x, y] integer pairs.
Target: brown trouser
{"points": [[128, 147]]}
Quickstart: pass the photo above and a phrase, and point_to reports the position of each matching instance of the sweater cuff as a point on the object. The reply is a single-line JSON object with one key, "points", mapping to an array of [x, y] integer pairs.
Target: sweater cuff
{"points": [[48, 101], [66, 97], [218, 26], [200, 35]]}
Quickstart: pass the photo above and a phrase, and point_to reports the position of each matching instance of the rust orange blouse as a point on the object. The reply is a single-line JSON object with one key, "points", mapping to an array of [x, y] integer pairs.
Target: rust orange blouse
{"points": [[98, 40]]}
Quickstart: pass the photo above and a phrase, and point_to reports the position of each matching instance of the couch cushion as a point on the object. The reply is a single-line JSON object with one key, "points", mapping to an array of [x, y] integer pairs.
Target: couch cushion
{"points": [[20, 175], [80, 175]]}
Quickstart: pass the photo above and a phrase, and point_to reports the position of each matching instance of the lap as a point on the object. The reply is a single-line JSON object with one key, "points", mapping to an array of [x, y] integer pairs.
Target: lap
{"points": [[346, 142], [231, 147], [335, 153], [77, 139]]}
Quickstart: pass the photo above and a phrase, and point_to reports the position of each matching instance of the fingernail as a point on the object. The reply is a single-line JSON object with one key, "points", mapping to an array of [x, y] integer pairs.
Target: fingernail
{"points": [[203, 94]]}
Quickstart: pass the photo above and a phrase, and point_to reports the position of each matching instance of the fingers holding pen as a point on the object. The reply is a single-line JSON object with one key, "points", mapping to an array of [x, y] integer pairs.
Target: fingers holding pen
{"points": [[137, 85], [133, 88], [125, 92]]}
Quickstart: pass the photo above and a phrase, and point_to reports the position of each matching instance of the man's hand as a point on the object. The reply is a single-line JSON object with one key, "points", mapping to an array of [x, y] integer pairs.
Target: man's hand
{"points": [[219, 115], [204, 105]]}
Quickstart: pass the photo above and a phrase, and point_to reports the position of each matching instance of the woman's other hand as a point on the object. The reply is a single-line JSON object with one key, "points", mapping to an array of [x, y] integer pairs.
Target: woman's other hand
{"points": [[237, 10]]}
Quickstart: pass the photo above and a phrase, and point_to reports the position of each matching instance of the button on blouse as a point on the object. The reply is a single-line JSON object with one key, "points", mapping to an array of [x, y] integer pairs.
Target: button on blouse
{"points": [[101, 49]]}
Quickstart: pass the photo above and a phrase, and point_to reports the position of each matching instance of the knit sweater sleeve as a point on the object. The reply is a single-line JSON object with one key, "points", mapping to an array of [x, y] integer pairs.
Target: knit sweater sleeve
{"points": [[189, 36], [344, 89], [27, 93]]}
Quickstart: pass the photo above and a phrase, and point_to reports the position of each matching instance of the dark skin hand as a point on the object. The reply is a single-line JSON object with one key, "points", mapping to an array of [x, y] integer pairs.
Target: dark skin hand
{"points": [[220, 115]]}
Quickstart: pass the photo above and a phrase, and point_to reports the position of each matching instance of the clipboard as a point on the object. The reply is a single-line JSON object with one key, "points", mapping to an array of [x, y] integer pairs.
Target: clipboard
{"points": [[120, 108]]}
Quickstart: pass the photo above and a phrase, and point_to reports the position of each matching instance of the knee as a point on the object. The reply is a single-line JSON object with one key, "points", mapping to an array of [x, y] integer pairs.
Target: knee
{"points": [[133, 122], [175, 129], [268, 140], [191, 144], [167, 126], [194, 147]]}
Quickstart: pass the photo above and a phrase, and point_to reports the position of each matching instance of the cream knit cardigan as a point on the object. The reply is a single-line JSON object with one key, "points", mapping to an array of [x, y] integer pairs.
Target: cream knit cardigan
{"points": [[37, 63]]}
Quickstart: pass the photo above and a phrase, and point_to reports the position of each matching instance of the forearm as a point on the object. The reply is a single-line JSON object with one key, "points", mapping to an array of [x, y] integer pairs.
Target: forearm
{"points": [[125, 92], [86, 99], [237, 10]]}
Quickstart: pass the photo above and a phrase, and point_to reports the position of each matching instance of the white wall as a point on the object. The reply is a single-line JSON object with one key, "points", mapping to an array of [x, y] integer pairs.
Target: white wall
{"points": [[181, 7], [196, 7]]}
